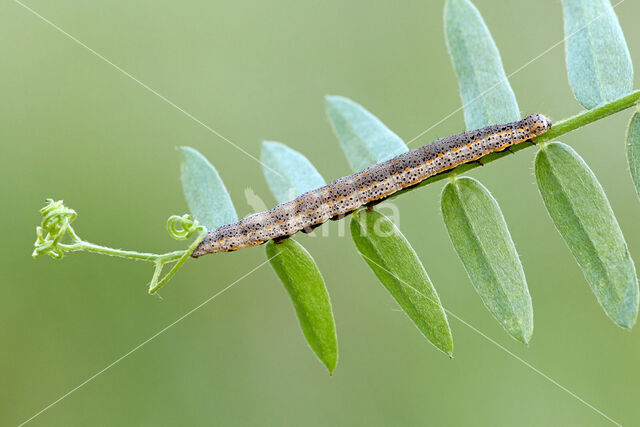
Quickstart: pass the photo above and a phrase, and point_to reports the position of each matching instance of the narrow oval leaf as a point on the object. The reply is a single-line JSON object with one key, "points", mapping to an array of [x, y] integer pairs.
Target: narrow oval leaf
{"points": [[582, 214], [598, 60], [486, 94], [206, 195], [397, 266], [289, 173], [481, 238], [363, 137], [633, 150], [305, 285]]}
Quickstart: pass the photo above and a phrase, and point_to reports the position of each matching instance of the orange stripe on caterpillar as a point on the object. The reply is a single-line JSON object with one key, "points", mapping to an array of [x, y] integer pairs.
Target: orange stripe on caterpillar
{"points": [[375, 183]]}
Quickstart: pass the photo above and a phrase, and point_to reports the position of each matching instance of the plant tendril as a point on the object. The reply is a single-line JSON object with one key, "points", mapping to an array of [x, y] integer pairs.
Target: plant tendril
{"points": [[56, 219], [56, 223], [181, 227]]}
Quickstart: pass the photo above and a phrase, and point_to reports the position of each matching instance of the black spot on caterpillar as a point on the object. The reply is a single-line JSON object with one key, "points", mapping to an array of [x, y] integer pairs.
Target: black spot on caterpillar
{"points": [[370, 186]]}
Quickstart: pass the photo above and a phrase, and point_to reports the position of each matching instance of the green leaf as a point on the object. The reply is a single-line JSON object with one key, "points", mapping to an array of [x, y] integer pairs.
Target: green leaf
{"points": [[582, 214], [206, 195], [481, 238], [289, 173], [305, 285], [486, 94], [633, 149], [366, 141], [397, 266], [364, 138], [598, 59]]}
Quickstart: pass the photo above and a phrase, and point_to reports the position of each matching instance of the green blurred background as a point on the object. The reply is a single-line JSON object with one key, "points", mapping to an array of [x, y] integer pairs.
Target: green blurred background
{"points": [[75, 128]]}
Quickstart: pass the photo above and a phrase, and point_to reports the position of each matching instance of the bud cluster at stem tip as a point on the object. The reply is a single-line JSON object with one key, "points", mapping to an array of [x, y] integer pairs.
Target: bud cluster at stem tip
{"points": [[56, 220]]}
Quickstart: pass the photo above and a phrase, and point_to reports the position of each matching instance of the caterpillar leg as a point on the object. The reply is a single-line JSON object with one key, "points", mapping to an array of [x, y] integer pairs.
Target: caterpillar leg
{"points": [[340, 216], [308, 229], [279, 240], [371, 204]]}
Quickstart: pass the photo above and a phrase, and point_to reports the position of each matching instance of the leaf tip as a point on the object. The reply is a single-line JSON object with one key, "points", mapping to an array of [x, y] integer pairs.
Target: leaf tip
{"points": [[449, 351], [331, 365], [522, 335], [186, 151], [335, 101], [266, 144], [627, 322]]}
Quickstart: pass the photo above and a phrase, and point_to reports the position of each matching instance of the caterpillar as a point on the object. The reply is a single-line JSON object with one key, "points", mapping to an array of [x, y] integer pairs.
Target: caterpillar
{"points": [[370, 186]]}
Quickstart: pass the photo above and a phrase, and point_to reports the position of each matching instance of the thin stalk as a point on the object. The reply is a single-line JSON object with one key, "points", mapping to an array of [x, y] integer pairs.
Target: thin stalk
{"points": [[82, 245], [588, 117], [56, 224], [560, 128], [184, 255], [104, 250]]}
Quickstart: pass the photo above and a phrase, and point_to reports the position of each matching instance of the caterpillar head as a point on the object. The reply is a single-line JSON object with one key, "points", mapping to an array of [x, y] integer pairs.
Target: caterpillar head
{"points": [[201, 249], [538, 124], [210, 244]]}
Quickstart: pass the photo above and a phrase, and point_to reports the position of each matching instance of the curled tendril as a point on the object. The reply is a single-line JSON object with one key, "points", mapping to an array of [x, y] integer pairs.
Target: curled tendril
{"points": [[56, 223], [182, 227], [56, 218]]}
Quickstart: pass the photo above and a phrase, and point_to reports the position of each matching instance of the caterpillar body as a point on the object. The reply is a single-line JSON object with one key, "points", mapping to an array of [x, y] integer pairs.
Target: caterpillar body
{"points": [[370, 186]]}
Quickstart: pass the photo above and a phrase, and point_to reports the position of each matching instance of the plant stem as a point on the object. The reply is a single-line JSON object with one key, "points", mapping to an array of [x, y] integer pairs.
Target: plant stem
{"points": [[176, 257], [104, 250], [184, 255], [81, 245], [560, 128], [588, 117], [56, 223]]}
